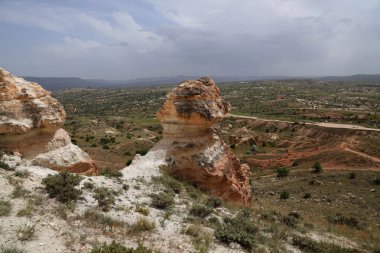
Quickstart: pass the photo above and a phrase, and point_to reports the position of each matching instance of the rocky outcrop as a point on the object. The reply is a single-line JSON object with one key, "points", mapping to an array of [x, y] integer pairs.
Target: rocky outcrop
{"points": [[30, 124], [196, 153]]}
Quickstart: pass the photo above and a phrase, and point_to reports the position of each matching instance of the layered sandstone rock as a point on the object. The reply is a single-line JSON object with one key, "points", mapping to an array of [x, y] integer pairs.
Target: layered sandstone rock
{"points": [[195, 151], [30, 124]]}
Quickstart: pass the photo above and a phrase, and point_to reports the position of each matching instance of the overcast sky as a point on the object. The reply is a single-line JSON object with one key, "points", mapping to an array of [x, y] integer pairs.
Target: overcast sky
{"points": [[124, 39]]}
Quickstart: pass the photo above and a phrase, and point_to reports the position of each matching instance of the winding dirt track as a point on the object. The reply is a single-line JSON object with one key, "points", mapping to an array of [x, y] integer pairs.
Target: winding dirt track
{"points": [[321, 124]]}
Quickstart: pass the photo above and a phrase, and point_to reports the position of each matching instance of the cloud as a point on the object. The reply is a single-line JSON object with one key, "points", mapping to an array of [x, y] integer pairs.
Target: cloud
{"points": [[216, 37]]}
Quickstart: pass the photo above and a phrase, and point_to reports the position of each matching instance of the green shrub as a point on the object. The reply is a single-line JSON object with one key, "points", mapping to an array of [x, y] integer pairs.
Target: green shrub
{"points": [[142, 225], [62, 186], [5, 166], [105, 198], [200, 211], [352, 175], [376, 181], [214, 202], [233, 146], [116, 247], [284, 195], [5, 208], [162, 200], [317, 168], [282, 172], [239, 229]]}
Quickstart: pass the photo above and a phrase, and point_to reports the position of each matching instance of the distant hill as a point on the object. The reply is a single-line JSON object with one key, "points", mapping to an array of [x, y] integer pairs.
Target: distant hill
{"points": [[60, 83], [354, 78]]}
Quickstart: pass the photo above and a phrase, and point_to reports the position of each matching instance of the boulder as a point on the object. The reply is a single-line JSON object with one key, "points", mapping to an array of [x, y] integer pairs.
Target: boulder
{"points": [[30, 124], [195, 152]]}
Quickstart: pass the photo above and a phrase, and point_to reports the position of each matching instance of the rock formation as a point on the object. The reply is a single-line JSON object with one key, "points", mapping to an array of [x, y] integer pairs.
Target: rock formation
{"points": [[30, 124], [195, 152]]}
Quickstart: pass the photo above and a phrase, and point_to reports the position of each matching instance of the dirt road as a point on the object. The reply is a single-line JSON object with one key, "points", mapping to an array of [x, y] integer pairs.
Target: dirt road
{"points": [[321, 124]]}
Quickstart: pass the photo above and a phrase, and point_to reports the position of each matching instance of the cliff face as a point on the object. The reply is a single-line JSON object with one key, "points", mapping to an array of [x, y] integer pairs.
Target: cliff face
{"points": [[195, 152], [30, 124]]}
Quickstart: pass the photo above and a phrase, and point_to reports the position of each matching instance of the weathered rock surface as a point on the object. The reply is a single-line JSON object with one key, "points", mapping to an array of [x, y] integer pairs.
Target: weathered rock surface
{"points": [[195, 152], [30, 124]]}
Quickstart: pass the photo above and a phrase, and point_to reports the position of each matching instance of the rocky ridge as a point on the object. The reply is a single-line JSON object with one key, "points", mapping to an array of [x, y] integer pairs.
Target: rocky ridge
{"points": [[30, 127]]}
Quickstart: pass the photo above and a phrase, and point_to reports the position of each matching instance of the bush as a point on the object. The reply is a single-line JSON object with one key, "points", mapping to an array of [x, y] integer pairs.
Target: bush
{"points": [[307, 195], [291, 220], [22, 173], [62, 186], [214, 202], [19, 192], [105, 198], [142, 225], [142, 210], [308, 245], [317, 167], [5, 166], [284, 195], [296, 163], [282, 172], [12, 249], [352, 175], [233, 146], [201, 238], [111, 173], [142, 152], [26, 232], [200, 211], [376, 181], [116, 247], [5, 208], [239, 229], [342, 220], [162, 200]]}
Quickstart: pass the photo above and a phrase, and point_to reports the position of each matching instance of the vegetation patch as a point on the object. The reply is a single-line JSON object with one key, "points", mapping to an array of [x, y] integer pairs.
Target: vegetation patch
{"points": [[111, 173], [240, 229], [308, 245], [200, 211], [5, 208], [115, 247], [162, 200], [10, 249], [5, 166], [26, 232], [105, 198], [142, 225], [282, 172], [62, 186], [340, 219], [201, 239]]}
